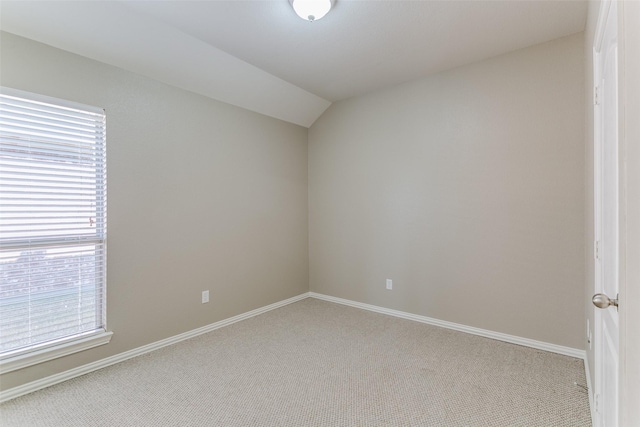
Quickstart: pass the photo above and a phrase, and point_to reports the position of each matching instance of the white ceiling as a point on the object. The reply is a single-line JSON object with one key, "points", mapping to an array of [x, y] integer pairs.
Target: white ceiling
{"points": [[259, 55]]}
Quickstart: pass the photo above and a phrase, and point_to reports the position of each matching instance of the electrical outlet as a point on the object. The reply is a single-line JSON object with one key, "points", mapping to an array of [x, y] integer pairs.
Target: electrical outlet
{"points": [[389, 284], [205, 297]]}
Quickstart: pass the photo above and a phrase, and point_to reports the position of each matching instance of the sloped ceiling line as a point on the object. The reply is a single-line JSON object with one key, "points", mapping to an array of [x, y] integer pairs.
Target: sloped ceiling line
{"points": [[258, 55]]}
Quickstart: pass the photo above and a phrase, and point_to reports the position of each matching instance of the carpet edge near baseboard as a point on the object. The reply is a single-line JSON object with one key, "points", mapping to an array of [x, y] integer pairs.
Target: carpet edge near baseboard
{"points": [[527, 342], [539, 345], [30, 387]]}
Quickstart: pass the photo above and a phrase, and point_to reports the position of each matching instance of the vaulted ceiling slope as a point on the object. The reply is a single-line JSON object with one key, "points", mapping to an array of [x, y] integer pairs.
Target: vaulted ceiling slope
{"points": [[260, 56]]}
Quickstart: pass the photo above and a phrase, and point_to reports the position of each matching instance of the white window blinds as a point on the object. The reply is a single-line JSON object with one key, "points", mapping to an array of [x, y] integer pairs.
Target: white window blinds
{"points": [[52, 221]]}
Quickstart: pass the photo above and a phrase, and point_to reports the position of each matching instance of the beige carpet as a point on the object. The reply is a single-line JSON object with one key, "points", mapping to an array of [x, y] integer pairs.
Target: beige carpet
{"points": [[315, 363]]}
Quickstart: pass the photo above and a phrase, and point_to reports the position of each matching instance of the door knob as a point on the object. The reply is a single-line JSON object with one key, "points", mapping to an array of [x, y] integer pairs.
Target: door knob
{"points": [[603, 301]]}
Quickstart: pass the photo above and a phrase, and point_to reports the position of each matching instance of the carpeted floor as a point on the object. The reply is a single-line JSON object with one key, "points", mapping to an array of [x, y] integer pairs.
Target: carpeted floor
{"points": [[316, 363]]}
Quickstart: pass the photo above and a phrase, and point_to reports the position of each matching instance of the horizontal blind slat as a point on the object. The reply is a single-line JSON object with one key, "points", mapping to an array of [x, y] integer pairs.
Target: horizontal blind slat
{"points": [[48, 108], [48, 123], [43, 171], [43, 116], [12, 142], [42, 137], [39, 134], [19, 153], [11, 244]]}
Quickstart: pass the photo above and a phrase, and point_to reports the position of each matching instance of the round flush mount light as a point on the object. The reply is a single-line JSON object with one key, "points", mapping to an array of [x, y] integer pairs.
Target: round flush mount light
{"points": [[311, 10]]}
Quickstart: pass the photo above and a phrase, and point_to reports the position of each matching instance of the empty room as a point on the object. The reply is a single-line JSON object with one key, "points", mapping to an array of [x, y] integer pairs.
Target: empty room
{"points": [[319, 213]]}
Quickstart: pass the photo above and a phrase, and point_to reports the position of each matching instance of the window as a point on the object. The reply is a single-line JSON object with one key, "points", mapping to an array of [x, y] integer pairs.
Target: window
{"points": [[52, 228]]}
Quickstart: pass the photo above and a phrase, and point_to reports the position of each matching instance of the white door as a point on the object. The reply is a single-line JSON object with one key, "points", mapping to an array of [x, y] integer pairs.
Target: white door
{"points": [[606, 216]]}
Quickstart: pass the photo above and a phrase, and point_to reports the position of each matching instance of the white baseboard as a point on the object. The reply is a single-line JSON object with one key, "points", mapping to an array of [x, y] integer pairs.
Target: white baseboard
{"points": [[14, 392], [540, 345]]}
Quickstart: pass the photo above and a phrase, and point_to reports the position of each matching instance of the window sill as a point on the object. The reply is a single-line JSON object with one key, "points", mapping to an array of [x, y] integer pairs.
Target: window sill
{"points": [[53, 352]]}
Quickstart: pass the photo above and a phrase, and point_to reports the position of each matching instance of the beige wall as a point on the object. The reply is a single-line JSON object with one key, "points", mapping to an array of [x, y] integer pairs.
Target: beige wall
{"points": [[201, 195], [467, 188]]}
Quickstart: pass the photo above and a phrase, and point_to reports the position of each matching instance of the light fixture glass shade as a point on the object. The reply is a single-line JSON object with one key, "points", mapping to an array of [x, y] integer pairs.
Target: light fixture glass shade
{"points": [[311, 10]]}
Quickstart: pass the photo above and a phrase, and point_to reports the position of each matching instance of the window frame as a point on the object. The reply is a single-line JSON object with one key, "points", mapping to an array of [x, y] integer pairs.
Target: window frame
{"points": [[41, 352]]}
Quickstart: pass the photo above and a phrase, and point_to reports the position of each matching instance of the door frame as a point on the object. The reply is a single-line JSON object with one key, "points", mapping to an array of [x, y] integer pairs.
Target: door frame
{"points": [[629, 206], [600, 209], [629, 114]]}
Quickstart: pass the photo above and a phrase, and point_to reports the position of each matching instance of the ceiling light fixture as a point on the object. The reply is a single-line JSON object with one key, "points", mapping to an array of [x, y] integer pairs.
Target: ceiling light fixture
{"points": [[311, 10]]}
